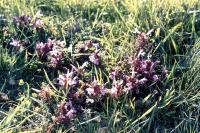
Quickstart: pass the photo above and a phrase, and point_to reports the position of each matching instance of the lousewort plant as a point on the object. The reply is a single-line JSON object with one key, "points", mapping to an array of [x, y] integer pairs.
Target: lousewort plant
{"points": [[81, 92], [140, 73]]}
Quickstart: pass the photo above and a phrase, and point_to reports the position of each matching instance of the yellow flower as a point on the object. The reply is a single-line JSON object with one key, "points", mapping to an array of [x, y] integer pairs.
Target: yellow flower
{"points": [[21, 82]]}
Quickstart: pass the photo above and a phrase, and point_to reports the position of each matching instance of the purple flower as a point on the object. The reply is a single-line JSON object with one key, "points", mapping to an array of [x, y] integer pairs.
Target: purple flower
{"points": [[23, 20], [155, 78], [16, 19], [71, 113], [51, 41], [39, 23], [56, 57], [117, 89], [142, 40], [56, 54], [103, 90], [62, 79], [68, 79], [39, 47], [94, 58], [57, 44], [15, 43], [96, 89], [66, 112], [131, 83], [114, 73], [142, 81], [153, 65], [53, 49], [43, 48], [144, 68]]}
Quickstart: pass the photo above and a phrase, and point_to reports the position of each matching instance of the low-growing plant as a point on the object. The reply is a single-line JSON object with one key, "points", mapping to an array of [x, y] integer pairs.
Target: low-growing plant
{"points": [[107, 66]]}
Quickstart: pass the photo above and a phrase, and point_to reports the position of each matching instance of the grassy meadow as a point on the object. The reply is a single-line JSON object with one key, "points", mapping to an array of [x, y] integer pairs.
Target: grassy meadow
{"points": [[100, 66]]}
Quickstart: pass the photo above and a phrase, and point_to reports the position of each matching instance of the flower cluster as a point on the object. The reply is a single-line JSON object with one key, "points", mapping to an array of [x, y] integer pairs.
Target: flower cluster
{"points": [[96, 89], [95, 58], [68, 80], [22, 21], [66, 112], [81, 92], [89, 45], [25, 25], [43, 48], [19, 44], [56, 56], [142, 40], [39, 23], [141, 72], [133, 76], [117, 89], [145, 68], [27, 21], [53, 49]]}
